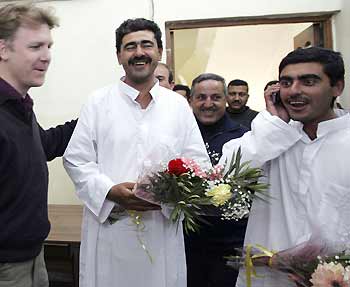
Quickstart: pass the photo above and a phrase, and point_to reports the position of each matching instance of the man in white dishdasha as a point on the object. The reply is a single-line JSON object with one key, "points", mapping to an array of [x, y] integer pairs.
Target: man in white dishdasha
{"points": [[122, 128], [302, 144]]}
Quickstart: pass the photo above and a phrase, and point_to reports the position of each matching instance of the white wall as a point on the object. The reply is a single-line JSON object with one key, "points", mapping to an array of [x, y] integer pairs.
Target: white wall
{"points": [[166, 10], [84, 56], [342, 24]]}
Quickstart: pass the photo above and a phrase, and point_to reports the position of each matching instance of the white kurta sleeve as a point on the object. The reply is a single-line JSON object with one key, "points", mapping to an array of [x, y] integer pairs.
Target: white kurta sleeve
{"points": [[270, 137], [81, 163]]}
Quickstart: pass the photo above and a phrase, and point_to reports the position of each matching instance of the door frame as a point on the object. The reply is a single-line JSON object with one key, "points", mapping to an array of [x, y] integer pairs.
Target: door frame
{"points": [[322, 18]]}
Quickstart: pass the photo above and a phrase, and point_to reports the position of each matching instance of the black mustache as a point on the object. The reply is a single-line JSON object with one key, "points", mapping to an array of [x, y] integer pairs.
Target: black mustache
{"points": [[298, 98], [212, 109], [139, 59]]}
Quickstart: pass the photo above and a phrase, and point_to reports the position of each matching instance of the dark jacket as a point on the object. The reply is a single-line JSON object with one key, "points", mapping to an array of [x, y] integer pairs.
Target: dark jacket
{"points": [[243, 117], [24, 149], [216, 135]]}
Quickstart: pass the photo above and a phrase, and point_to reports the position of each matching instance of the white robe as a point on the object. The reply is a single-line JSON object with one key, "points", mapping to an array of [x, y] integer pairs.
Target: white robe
{"points": [[308, 180], [112, 143]]}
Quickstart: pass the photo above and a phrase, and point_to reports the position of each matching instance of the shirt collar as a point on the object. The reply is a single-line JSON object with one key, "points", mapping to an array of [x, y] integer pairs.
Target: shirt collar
{"points": [[133, 93], [8, 92], [326, 127], [338, 123]]}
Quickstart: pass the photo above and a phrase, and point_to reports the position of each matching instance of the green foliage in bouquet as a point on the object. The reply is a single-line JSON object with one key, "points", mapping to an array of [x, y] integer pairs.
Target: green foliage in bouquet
{"points": [[245, 185], [184, 193], [244, 176]]}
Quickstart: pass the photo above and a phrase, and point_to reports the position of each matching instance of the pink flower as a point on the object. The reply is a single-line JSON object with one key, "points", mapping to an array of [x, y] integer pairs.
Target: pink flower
{"points": [[329, 275], [194, 167], [216, 172]]}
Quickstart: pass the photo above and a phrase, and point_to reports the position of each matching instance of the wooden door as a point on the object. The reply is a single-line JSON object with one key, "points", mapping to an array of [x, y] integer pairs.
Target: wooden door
{"points": [[310, 37]]}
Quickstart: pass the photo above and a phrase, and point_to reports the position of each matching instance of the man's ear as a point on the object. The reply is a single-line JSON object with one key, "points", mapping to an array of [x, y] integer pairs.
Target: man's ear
{"points": [[3, 49], [118, 56], [338, 88], [190, 100], [160, 51]]}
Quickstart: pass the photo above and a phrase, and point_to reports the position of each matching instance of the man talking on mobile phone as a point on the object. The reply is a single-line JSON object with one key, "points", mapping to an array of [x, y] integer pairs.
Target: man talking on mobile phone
{"points": [[301, 144]]}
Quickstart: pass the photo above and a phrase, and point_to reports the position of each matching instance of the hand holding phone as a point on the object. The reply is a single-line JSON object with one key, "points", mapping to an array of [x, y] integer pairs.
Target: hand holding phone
{"points": [[276, 98], [274, 103]]}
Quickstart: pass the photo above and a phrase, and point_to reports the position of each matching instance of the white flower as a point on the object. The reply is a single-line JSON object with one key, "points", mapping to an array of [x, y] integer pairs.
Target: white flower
{"points": [[219, 194]]}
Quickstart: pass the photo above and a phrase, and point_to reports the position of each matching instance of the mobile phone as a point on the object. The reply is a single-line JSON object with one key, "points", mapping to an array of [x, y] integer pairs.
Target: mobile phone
{"points": [[276, 98]]}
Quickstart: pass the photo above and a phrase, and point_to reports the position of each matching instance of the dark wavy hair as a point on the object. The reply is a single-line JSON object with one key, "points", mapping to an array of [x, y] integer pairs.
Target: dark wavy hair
{"points": [[134, 25], [332, 62]]}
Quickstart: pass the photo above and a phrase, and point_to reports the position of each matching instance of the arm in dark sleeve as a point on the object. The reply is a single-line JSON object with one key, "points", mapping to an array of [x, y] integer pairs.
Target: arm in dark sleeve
{"points": [[4, 158], [55, 140], [8, 168]]}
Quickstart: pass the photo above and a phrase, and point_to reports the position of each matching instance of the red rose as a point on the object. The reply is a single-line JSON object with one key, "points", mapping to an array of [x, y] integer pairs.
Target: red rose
{"points": [[177, 167]]}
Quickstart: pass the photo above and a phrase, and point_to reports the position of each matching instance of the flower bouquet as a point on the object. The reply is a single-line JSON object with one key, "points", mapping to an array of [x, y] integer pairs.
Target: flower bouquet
{"points": [[189, 190], [321, 261], [308, 264], [324, 271], [314, 264], [186, 192]]}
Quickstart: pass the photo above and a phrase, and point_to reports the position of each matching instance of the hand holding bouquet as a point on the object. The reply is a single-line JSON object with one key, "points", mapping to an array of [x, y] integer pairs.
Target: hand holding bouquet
{"points": [[187, 189], [315, 270], [321, 261], [308, 264]]}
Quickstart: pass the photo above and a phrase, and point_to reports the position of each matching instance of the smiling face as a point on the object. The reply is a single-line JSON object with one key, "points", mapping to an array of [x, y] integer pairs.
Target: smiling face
{"points": [[139, 55], [306, 93], [208, 101], [26, 57]]}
